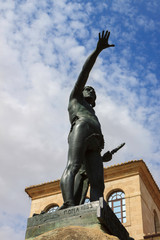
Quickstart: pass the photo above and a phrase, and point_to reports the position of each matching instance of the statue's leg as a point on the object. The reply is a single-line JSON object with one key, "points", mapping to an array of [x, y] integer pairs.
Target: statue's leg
{"points": [[84, 190], [95, 174], [78, 187], [76, 155]]}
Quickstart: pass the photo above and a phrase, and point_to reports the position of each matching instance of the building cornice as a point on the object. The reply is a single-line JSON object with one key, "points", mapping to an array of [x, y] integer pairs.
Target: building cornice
{"points": [[122, 170], [43, 190]]}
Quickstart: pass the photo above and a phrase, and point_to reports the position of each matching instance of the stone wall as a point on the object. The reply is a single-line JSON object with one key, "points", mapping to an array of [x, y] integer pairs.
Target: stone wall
{"points": [[148, 208]]}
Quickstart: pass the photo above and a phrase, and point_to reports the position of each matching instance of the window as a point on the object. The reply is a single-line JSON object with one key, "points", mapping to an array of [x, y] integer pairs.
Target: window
{"points": [[52, 208], [156, 222], [116, 201]]}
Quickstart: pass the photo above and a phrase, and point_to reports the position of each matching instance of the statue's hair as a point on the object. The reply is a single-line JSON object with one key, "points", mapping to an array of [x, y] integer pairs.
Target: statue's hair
{"points": [[94, 103]]}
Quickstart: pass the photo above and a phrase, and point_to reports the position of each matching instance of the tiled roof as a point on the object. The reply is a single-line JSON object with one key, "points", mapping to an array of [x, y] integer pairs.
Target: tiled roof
{"points": [[124, 163], [46, 183]]}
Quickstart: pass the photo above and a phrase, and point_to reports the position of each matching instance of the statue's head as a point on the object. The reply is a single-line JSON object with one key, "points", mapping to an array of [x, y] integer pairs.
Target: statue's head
{"points": [[90, 95]]}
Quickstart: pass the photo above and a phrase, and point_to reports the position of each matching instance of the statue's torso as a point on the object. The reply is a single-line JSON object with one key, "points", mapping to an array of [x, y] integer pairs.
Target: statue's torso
{"points": [[79, 108]]}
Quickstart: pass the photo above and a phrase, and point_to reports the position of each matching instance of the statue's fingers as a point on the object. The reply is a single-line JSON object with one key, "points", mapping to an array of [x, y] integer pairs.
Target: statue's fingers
{"points": [[103, 34], [99, 35], [106, 34]]}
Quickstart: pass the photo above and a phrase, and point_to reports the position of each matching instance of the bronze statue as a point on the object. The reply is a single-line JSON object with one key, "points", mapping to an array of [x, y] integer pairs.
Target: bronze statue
{"points": [[85, 138]]}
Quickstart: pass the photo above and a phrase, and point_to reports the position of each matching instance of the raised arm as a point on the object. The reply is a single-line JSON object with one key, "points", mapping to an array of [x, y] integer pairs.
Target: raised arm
{"points": [[82, 79]]}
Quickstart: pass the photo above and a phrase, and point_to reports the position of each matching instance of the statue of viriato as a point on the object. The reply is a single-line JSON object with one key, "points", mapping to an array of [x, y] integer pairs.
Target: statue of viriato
{"points": [[85, 139]]}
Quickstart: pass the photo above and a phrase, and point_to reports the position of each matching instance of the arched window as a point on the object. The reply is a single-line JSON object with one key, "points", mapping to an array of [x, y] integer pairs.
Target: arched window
{"points": [[156, 222], [52, 208], [116, 201]]}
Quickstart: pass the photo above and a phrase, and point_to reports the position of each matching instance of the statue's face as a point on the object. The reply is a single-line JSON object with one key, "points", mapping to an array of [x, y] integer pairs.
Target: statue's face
{"points": [[89, 94]]}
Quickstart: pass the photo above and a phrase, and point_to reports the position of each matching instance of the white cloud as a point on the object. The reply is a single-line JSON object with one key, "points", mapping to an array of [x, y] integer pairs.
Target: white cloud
{"points": [[123, 7], [148, 24], [9, 233]]}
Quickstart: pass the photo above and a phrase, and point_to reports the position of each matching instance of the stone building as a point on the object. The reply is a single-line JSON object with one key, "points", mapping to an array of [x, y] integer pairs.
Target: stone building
{"points": [[130, 191]]}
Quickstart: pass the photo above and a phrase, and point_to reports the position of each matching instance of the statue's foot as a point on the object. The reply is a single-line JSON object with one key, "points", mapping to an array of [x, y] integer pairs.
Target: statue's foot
{"points": [[35, 214], [66, 205]]}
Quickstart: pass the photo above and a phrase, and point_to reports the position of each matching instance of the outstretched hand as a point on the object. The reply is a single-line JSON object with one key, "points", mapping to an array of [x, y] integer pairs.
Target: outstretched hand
{"points": [[103, 41]]}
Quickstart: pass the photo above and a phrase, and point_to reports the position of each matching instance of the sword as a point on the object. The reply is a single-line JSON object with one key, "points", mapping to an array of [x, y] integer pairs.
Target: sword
{"points": [[108, 155], [117, 148]]}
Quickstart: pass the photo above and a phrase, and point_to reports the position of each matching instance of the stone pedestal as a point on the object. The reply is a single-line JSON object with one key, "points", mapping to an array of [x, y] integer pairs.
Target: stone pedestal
{"points": [[95, 215]]}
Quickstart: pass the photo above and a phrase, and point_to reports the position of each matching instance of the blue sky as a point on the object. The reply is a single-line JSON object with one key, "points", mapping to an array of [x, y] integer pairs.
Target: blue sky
{"points": [[43, 46]]}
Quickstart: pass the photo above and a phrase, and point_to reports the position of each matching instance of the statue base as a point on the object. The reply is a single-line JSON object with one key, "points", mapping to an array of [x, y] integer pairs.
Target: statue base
{"points": [[92, 215]]}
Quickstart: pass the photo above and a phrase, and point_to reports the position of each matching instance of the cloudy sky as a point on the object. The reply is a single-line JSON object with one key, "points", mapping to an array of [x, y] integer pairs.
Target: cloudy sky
{"points": [[43, 45]]}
